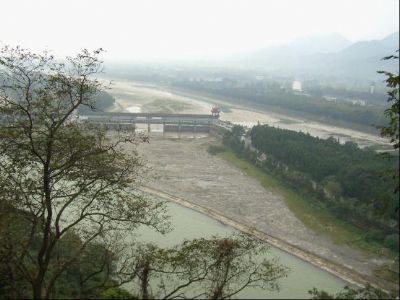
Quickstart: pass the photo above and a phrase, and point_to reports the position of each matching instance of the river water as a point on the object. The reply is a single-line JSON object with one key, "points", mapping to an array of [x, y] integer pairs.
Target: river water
{"points": [[189, 224], [303, 276]]}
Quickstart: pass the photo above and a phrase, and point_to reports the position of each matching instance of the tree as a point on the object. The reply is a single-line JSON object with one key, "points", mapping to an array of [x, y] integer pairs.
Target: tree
{"points": [[233, 137], [392, 113], [116, 293], [368, 292], [68, 200], [214, 268], [59, 176], [235, 266]]}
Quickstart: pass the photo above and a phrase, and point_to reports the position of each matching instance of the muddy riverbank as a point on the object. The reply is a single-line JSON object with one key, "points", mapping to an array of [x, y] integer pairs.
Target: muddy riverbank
{"points": [[339, 271], [184, 169]]}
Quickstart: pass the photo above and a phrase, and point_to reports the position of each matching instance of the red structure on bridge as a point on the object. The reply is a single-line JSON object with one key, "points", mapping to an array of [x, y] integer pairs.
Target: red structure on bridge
{"points": [[215, 111]]}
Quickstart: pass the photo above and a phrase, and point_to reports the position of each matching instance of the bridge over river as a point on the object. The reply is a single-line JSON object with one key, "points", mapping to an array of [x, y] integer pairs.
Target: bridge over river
{"points": [[170, 122]]}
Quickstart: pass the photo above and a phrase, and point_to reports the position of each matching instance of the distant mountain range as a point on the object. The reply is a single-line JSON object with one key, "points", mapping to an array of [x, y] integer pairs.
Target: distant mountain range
{"points": [[332, 55]]}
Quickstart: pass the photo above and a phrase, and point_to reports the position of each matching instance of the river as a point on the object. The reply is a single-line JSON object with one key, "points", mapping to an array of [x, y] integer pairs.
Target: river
{"points": [[303, 276], [190, 224], [136, 97]]}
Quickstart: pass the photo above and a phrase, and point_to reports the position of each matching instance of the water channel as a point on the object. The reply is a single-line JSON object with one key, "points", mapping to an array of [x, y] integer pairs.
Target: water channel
{"points": [[303, 276], [189, 224]]}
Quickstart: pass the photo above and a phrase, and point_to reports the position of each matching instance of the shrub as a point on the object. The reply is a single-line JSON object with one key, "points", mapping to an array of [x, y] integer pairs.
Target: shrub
{"points": [[117, 293], [215, 149], [392, 242], [374, 235]]}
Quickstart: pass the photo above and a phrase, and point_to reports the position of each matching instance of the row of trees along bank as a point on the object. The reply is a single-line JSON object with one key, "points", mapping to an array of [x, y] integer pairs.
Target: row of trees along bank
{"points": [[348, 181]]}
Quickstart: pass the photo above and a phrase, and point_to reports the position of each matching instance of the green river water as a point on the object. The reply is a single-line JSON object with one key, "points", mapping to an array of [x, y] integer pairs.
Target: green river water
{"points": [[303, 276]]}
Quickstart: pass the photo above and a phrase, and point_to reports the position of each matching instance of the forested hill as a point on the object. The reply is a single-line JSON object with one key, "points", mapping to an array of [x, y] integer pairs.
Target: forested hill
{"points": [[352, 183], [331, 54]]}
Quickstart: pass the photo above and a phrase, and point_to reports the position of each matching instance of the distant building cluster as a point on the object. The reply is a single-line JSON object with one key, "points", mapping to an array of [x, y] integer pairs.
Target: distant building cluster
{"points": [[330, 98], [206, 79], [356, 101], [352, 101]]}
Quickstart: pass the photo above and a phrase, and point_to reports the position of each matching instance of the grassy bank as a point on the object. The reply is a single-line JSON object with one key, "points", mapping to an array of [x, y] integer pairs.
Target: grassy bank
{"points": [[313, 215]]}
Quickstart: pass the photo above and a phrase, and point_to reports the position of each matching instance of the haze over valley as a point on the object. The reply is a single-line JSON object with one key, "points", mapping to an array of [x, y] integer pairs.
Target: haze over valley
{"points": [[199, 149]]}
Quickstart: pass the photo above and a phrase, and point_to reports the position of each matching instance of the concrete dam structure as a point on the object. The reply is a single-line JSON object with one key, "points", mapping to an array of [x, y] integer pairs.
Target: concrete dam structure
{"points": [[170, 122]]}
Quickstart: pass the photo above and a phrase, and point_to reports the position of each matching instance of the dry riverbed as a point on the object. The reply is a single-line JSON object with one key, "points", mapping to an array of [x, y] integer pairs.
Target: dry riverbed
{"points": [[183, 168], [136, 97]]}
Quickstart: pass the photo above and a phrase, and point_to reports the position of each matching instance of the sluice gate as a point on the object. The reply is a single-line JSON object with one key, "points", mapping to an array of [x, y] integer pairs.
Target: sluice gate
{"points": [[170, 122]]}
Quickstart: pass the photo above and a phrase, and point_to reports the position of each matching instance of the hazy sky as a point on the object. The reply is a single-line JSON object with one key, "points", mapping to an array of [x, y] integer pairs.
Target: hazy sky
{"points": [[147, 29]]}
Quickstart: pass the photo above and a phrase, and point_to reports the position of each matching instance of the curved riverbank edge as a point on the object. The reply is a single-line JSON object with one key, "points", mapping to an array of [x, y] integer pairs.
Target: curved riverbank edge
{"points": [[342, 272]]}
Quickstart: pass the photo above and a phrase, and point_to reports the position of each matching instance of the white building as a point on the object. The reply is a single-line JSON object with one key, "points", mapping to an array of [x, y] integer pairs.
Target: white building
{"points": [[372, 89], [296, 86]]}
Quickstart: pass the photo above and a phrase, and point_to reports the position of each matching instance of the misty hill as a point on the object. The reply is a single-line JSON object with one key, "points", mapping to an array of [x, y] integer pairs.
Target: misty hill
{"points": [[370, 49], [315, 44], [330, 55]]}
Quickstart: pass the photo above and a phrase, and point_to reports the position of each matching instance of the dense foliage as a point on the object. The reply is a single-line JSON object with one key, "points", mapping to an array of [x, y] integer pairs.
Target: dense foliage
{"points": [[368, 292], [213, 268], [86, 276], [393, 113], [349, 181]]}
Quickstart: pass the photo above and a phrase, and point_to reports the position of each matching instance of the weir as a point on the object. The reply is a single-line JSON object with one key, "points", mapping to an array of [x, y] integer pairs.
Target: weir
{"points": [[171, 122]]}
